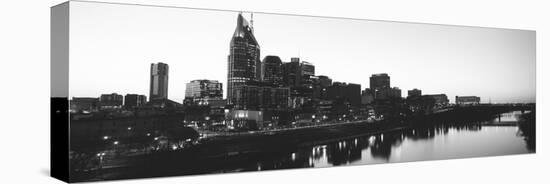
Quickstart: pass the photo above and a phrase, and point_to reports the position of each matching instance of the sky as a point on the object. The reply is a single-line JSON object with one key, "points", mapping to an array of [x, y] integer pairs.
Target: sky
{"points": [[112, 47]]}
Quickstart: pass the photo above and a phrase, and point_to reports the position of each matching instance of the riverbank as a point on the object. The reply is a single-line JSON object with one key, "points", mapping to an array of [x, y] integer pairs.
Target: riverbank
{"points": [[232, 153]]}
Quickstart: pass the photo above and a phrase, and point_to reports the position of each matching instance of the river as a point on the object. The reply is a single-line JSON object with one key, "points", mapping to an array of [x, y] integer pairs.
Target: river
{"points": [[492, 138], [500, 136]]}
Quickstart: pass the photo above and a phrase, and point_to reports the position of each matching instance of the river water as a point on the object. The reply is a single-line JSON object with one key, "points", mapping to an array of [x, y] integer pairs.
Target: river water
{"points": [[415, 144], [500, 136]]}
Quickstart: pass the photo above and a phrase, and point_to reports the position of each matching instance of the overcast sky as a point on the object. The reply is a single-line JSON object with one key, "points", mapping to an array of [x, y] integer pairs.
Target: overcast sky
{"points": [[112, 47]]}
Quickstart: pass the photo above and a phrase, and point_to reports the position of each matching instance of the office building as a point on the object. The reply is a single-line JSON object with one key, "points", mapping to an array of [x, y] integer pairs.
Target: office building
{"points": [[467, 100], [159, 82], [439, 100], [260, 96], [379, 81], [414, 93], [201, 92], [272, 70], [345, 93], [78, 104], [291, 73], [110, 101], [134, 100], [244, 63], [367, 96]]}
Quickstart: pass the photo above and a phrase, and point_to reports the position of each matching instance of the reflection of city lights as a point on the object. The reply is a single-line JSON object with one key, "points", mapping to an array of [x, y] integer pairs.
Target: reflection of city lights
{"points": [[372, 139]]}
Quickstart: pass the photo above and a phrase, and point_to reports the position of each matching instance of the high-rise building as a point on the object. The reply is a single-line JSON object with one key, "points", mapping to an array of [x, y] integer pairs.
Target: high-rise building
{"points": [[379, 81], [159, 82], [307, 71], [271, 70], [291, 73], [201, 92], [244, 63], [134, 100], [298, 74]]}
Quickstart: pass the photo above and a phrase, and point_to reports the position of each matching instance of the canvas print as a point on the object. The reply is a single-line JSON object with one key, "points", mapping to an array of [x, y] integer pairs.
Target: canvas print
{"points": [[147, 91]]}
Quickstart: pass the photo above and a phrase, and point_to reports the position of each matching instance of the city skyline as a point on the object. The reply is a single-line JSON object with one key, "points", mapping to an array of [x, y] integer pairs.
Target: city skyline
{"points": [[165, 91], [456, 79]]}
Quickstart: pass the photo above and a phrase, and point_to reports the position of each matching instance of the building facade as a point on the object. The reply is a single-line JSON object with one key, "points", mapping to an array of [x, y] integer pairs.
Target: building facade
{"points": [[467, 100], [201, 92], [159, 81], [414, 93], [291, 73], [78, 104], [272, 71], [134, 100], [260, 97], [367, 96], [439, 100], [244, 63], [110, 101], [379, 81]]}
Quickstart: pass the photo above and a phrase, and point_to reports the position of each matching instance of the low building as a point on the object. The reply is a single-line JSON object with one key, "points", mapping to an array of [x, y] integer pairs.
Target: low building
{"points": [[439, 100], [414, 92], [387, 93], [201, 92], [79, 104], [244, 119], [367, 96], [467, 100], [110, 101], [134, 100], [260, 96]]}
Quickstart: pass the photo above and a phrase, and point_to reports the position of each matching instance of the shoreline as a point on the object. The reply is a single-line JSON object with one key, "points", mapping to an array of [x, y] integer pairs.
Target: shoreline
{"points": [[224, 153]]}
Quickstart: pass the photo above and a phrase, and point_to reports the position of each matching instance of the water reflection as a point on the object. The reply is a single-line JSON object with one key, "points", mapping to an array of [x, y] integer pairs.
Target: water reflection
{"points": [[413, 144]]}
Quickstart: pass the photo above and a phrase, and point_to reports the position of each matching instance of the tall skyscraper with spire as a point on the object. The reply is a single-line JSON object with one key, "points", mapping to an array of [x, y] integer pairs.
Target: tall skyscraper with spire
{"points": [[244, 65]]}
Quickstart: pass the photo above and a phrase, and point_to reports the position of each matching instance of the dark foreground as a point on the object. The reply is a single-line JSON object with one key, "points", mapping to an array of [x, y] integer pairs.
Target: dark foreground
{"points": [[340, 144]]}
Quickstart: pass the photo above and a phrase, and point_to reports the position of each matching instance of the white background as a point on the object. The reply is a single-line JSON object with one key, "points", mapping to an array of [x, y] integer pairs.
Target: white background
{"points": [[24, 81]]}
